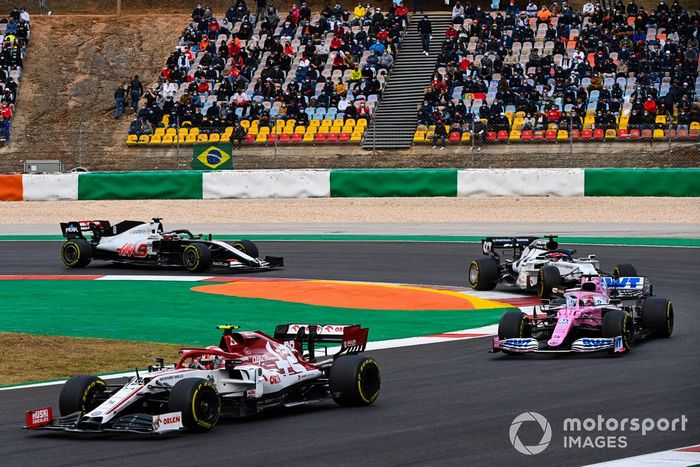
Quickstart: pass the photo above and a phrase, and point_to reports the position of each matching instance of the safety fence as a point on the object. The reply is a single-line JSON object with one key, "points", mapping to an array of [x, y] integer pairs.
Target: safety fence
{"points": [[350, 183]]}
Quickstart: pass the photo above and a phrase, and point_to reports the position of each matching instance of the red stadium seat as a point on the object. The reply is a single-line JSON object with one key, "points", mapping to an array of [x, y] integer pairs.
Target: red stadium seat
{"points": [[575, 134], [670, 134], [694, 133], [285, 138], [332, 137], [271, 138], [344, 137], [250, 138], [297, 138], [455, 136], [550, 135], [502, 135], [491, 136], [598, 133], [526, 135], [623, 133], [682, 133], [320, 138], [647, 134], [538, 135], [634, 133]]}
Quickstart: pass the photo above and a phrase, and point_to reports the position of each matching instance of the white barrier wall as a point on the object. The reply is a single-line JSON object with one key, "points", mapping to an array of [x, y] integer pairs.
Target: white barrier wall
{"points": [[45, 187], [267, 184], [520, 182]]}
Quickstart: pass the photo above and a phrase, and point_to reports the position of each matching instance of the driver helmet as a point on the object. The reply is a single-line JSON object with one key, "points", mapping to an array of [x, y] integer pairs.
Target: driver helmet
{"points": [[587, 300], [211, 361], [556, 256]]}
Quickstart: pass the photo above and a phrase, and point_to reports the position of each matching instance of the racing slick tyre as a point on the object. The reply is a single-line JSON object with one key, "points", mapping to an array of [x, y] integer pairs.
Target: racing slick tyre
{"points": [[355, 380], [548, 277], [624, 270], [81, 393], [196, 257], [199, 402], [483, 274], [76, 253], [514, 324], [657, 316], [247, 247], [619, 323]]}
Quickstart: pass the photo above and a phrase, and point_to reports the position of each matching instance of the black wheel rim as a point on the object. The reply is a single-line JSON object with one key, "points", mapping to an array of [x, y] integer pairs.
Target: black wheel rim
{"points": [[207, 406], [370, 382], [70, 253], [190, 257]]}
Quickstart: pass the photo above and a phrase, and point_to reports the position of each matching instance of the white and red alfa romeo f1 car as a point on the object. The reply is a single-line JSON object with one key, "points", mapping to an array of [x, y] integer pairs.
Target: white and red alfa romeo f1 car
{"points": [[146, 243], [246, 373]]}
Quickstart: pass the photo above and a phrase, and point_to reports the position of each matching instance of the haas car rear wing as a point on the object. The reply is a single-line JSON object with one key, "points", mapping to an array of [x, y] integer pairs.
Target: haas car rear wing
{"points": [[352, 338], [75, 229]]}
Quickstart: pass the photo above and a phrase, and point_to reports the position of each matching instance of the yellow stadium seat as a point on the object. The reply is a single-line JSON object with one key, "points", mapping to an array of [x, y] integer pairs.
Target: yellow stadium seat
{"points": [[361, 122], [194, 131], [356, 137], [335, 130], [695, 125], [159, 132], [562, 135], [323, 129], [182, 131], [338, 122], [315, 123], [202, 138], [518, 123], [171, 132], [312, 130], [167, 139], [264, 130], [466, 136], [610, 134], [658, 134], [214, 137], [520, 114], [514, 135], [348, 129], [327, 122], [143, 139], [228, 130], [419, 136], [225, 138], [661, 119], [132, 139], [166, 120], [301, 129], [253, 130], [262, 138], [245, 123], [156, 139], [182, 139], [309, 137], [350, 121], [191, 139]]}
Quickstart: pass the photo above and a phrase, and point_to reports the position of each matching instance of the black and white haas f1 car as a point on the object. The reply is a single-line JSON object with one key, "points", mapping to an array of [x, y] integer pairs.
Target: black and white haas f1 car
{"points": [[146, 243], [248, 372], [534, 264]]}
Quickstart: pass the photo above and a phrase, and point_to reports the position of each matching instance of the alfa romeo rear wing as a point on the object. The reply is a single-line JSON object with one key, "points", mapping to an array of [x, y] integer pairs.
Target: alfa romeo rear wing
{"points": [[75, 229], [352, 338]]}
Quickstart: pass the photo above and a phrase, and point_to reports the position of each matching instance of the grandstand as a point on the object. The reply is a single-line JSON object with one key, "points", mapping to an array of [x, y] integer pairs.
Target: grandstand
{"points": [[15, 33], [514, 76]]}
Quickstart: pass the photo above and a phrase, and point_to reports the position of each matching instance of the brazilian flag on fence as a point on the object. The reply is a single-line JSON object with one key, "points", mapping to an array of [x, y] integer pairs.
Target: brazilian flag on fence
{"points": [[212, 156]]}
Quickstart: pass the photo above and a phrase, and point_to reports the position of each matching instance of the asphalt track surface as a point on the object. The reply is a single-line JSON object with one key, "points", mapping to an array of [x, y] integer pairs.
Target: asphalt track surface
{"points": [[441, 404]]}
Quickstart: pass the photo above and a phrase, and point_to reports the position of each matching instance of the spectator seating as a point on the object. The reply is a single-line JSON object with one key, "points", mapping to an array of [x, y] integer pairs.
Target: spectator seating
{"points": [[622, 74], [297, 79], [14, 34]]}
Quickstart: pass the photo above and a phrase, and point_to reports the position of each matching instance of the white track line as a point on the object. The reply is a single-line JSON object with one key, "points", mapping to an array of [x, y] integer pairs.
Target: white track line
{"points": [[689, 455]]}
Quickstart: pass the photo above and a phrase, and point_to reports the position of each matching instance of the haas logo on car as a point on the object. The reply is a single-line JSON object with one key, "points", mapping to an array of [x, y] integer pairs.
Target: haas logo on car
{"points": [[41, 417], [131, 249]]}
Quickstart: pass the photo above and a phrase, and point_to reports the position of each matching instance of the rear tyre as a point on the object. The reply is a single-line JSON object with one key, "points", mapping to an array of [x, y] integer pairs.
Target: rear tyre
{"points": [[548, 277], [247, 247], [81, 393], [483, 274], [355, 380], [624, 270], [514, 324], [619, 323], [76, 253], [657, 316], [199, 402], [196, 257]]}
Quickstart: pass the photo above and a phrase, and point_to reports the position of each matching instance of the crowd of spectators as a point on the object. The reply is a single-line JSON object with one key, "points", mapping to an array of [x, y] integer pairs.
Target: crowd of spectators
{"points": [[14, 33], [556, 68], [255, 63]]}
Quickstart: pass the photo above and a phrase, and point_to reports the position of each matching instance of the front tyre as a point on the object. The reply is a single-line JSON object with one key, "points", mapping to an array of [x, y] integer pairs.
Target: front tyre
{"points": [[619, 323], [483, 274], [247, 247], [196, 257], [514, 325], [548, 278], [76, 253], [199, 402], [624, 270], [657, 316], [355, 380], [81, 393]]}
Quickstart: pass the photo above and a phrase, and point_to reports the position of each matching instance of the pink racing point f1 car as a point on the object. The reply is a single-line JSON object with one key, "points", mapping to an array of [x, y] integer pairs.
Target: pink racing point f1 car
{"points": [[605, 313], [248, 372]]}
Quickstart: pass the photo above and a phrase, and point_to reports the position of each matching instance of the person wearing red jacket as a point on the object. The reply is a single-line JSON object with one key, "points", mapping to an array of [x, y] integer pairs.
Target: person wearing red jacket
{"points": [[553, 115], [650, 105]]}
